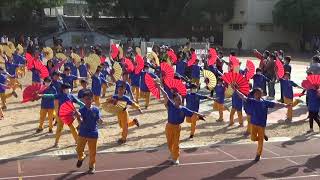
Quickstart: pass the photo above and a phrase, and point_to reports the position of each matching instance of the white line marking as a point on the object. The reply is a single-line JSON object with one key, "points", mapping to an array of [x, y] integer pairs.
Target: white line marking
{"points": [[297, 177], [271, 151], [228, 154], [292, 161], [148, 167]]}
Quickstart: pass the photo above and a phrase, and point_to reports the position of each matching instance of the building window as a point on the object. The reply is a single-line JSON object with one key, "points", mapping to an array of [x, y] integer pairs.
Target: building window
{"points": [[266, 27], [236, 27]]}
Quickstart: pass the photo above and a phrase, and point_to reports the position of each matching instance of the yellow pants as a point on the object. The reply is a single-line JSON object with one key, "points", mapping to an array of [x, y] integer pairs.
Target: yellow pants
{"points": [[21, 71], [43, 115], [146, 96], [73, 130], [96, 100], [4, 98], [249, 123], [136, 92], [193, 120], [56, 109], [92, 144], [124, 123], [173, 139], [293, 104], [104, 89], [196, 81], [75, 83], [233, 111], [14, 83], [257, 134], [219, 107]]}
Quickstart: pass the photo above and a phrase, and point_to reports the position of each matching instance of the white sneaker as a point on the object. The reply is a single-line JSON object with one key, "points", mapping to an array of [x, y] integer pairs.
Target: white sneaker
{"points": [[177, 162]]}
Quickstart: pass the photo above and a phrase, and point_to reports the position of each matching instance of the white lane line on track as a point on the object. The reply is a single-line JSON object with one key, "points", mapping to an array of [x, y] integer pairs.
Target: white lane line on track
{"points": [[182, 164]]}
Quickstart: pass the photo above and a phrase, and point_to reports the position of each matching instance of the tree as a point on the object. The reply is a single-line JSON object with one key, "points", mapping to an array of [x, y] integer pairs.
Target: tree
{"points": [[297, 15]]}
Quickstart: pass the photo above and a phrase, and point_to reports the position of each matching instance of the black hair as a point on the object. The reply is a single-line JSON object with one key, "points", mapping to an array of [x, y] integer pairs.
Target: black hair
{"points": [[258, 70], [287, 58], [232, 53], [83, 81], [47, 79], [67, 69], [65, 86], [256, 90], [316, 59], [287, 73], [87, 93], [55, 73]]}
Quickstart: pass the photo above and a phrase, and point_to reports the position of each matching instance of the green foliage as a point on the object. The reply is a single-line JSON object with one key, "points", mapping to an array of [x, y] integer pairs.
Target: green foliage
{"points": [[297, 15]]}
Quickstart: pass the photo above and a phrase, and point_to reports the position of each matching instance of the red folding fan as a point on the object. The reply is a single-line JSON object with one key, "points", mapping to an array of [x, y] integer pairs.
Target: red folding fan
{"points": [[306, 84], [155, 91], [41, 68], [238, 80], [250, 69], [114, 51], [176, 85], [280, 69], [167, 71], [213, 56], [314, 79], [30, 92], [128, 65], [30, 60], [234, 61], [192, 59], [172, 56], [258, 55], [103, 59], [299, 94], [139, 64], [66, 112]]}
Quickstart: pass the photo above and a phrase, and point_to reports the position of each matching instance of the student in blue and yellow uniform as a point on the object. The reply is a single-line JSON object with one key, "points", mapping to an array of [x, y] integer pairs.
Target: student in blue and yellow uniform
{"points": [[176, 115], [62, 98], [236, 107], [248, 111], [144, 90], [195, 73], [89, 118], [84, 85], [56, 83], [11, 69], [135, 85], [73, 70], [313, 108], [68, 78], [181, 66], [259, 112], [287, 86], [18, 59], [124, 82], [219, 102], [3, 84], [260, 81], [83, 69], [193, 103], [104, 73], [47, 107], [97, 82], [123, 116], [35, 76], [287, 68]]}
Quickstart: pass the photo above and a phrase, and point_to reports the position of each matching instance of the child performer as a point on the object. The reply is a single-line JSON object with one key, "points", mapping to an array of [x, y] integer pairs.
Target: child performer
{"points": [[288, 94], [47, 107], [83, 69], [218, 104], [236, 107], [176, 116], [84, 85], [123, 116], [62, 98], [193, 103], [11, 69], [124, 82], [97, 82], [68, 78], [3, 86], [248, 111], [195, 73], [260, 81], [287, 68], [144, 90], [88, 131], [104, 73], [313, 107], [135, 85], [259, 112]]}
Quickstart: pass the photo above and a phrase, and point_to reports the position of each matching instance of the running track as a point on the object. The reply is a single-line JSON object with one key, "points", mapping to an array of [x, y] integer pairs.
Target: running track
{"points": [[283, 160]]}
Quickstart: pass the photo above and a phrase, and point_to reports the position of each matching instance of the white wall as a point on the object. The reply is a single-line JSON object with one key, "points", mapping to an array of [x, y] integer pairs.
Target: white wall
{"points": [[256, 12]]}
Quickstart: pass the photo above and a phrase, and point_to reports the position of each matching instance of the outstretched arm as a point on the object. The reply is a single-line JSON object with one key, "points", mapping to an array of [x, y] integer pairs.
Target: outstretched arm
{"points": [[242, 96]]}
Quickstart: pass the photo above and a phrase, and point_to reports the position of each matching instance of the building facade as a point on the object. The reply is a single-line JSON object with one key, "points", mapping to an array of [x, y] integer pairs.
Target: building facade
{"points": [[253, 23]]}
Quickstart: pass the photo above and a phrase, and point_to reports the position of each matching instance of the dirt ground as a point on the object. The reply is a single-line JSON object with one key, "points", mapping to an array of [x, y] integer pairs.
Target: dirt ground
{"points": [[18, 137]]}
